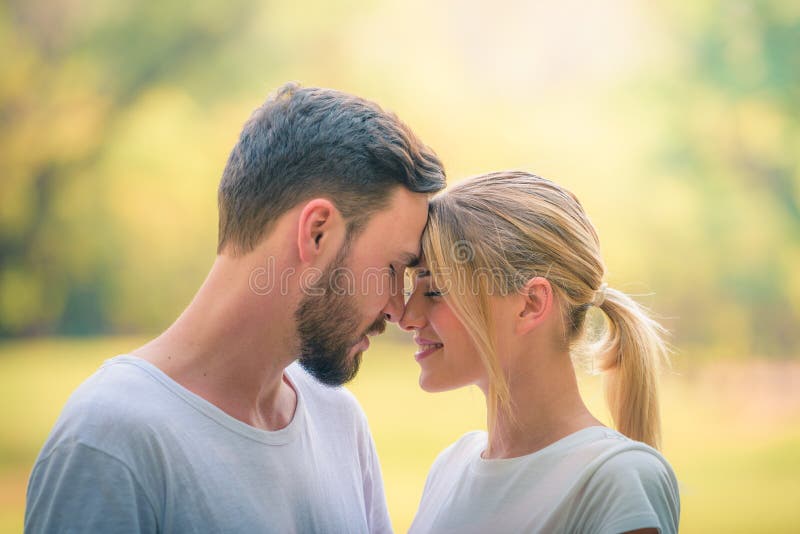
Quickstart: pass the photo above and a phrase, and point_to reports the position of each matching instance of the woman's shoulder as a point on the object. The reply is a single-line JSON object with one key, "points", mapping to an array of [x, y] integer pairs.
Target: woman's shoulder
{"points": [[636, 470], [631, 483], [623, 458], [636, 457], [463, 450], [468, 444]]}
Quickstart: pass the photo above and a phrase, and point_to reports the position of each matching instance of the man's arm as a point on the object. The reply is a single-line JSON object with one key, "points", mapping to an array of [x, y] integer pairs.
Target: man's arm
{"points": [[77, 488]]}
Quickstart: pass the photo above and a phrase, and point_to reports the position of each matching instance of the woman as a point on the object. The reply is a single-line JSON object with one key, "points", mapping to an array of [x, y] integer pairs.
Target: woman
{"points": [[511, 268]]}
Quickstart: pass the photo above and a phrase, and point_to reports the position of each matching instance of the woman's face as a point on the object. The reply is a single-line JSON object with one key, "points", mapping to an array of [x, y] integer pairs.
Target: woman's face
{"points": [[447, 357]]}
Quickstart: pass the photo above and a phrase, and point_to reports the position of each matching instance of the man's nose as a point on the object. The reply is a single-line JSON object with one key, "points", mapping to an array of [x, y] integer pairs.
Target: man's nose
{"points": [[395, 308]]}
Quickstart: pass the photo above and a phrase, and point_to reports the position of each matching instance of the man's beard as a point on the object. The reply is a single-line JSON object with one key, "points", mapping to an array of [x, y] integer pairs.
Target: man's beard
{"points": [[327, 326]]}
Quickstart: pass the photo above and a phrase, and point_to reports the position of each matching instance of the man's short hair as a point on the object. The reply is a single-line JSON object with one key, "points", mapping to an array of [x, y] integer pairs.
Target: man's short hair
{"points": [[307, 142]]}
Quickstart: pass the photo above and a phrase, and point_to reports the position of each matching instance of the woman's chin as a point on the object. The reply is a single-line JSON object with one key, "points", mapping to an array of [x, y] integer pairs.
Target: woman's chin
{"points": [[425, 385], [429, 383]]}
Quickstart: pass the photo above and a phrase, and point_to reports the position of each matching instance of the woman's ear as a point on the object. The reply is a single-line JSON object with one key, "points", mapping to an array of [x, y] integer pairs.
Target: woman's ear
{"points": [[537, 301], [320, 230]]}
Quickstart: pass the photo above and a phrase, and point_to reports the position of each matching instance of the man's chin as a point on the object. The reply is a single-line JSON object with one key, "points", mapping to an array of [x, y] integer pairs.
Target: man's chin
{"points": [[361, 346], [333, 375]]}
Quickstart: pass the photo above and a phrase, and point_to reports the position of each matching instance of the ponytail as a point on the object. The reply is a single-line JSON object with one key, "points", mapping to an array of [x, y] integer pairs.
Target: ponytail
{"points": [[631, 354], [514, 225]]}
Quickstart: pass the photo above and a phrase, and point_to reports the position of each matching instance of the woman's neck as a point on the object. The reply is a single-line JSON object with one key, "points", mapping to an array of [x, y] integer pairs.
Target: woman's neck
{"points": [[545, 406]]}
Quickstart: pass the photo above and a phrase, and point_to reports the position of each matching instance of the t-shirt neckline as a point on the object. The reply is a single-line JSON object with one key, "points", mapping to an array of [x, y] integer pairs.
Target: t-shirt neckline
{"points": [[502, 466], [282, 436]]}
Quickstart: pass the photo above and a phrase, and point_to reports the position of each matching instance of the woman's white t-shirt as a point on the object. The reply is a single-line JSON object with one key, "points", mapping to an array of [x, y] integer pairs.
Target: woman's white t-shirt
{"points": [[595, 480]]}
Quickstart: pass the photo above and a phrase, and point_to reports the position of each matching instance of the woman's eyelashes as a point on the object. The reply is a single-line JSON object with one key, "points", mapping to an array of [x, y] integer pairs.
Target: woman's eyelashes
{"points": [[419, 282]]}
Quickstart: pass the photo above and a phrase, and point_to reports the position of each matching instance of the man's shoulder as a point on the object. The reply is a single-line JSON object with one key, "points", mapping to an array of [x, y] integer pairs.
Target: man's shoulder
{"points": [[122, 384], [114, 404]]}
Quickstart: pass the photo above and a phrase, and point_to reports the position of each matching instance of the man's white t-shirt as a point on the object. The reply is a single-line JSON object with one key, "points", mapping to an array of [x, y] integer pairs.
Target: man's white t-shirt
{"points": [[134, 451], [595, 480]]}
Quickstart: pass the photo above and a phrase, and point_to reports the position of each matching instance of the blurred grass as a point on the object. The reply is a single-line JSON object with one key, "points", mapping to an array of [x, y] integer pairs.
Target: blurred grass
{"points": [[732, 430]]}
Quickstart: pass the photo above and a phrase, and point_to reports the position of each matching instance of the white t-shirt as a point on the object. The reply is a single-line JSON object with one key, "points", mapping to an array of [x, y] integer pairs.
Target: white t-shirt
{"points": [[134, 451], [595, 480]]}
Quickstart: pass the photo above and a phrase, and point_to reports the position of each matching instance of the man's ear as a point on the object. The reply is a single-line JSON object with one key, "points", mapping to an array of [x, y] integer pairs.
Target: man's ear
{"points": [[320, 229], [537, 301]]}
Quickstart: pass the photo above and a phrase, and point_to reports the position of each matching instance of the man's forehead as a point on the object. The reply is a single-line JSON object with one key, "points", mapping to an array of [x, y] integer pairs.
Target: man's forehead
{"points": [[400, 225], [405, 203]]}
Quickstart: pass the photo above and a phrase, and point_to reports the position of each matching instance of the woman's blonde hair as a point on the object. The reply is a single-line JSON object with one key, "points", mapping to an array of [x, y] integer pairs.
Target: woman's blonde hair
{"points": [[490, 234]]}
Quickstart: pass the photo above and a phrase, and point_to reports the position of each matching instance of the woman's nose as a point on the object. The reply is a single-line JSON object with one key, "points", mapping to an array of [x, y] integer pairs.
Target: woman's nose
{"points": [[412, 318]]}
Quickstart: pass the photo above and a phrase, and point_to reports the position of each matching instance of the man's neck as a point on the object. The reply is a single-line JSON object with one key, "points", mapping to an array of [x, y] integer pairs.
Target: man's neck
{"points": [[230, 347]]}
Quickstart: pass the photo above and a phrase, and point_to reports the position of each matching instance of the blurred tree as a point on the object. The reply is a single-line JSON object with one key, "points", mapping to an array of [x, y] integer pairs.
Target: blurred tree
{"points": [[71, 70], [116, 117], [733, 136]]}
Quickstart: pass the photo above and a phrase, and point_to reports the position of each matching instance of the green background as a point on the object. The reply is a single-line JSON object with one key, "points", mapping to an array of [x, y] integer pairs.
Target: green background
{"points": [[677, 124]]}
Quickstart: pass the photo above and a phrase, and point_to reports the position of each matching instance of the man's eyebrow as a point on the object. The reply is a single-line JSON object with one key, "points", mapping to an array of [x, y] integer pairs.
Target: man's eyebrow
{"points": [[409, 259]]}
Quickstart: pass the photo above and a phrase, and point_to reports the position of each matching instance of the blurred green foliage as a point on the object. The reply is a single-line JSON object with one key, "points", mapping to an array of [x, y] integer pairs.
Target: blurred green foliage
{"points": [[677, 125]]}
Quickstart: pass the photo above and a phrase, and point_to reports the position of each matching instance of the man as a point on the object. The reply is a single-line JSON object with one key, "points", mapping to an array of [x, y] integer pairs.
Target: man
{"points": [[211, 427]]}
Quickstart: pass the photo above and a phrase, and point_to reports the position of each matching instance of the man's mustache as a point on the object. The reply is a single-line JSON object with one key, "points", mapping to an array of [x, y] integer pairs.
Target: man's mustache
{"points": [[378, 327]]}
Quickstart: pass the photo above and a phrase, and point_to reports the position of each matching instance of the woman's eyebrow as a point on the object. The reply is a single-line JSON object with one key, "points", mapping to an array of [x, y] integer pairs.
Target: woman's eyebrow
{"points": [[422, 273]]}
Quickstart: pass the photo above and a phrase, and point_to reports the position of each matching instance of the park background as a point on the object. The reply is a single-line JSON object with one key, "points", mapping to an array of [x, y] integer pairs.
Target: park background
{"points": [[676, 123]]}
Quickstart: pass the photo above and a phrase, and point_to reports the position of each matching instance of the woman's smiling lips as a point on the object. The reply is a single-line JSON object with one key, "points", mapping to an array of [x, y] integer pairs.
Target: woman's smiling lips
{"points": [[426, 347]]}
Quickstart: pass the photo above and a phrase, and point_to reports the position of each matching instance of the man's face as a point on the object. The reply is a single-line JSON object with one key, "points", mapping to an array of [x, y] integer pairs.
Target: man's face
{"points": [[360, 290]]}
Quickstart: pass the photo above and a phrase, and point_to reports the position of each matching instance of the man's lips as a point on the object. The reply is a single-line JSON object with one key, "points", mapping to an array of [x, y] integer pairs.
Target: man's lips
{"points": [[376, 328]]}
